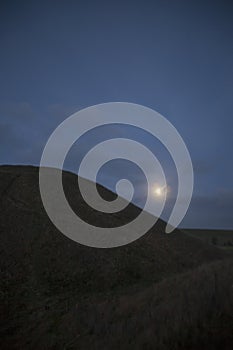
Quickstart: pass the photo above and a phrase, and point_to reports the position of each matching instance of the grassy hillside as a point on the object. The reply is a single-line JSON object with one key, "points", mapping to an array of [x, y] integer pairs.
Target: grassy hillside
{"points": [[46, 278], [189, 311]]}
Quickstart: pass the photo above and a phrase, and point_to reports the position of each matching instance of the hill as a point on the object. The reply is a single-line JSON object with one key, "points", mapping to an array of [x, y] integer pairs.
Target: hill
{"points": [[221, 238], [44, 275]]}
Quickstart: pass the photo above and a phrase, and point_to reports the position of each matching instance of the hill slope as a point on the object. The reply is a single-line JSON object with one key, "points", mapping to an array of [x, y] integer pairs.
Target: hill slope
{"points": [[43, 273]]}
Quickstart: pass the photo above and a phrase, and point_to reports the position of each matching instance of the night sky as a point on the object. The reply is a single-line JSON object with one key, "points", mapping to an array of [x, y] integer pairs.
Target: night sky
{"points": [[176, 57]]}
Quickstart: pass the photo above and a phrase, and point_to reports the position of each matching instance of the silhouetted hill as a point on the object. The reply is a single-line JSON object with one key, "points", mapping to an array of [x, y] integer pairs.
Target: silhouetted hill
{"points": [[44, 274], [221, 238]]}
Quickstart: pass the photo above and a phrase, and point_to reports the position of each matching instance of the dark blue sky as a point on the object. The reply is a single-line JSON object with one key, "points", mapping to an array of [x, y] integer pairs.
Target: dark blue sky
{"points": [[173, 56]]}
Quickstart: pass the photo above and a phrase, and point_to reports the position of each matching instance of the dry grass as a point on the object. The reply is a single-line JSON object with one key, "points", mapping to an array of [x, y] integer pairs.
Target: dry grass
{"points": [[189, 311], [161, 292]]}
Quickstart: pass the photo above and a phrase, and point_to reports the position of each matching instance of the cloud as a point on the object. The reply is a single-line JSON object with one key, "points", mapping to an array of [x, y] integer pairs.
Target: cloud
{"points": [[203, 167], [16, 112], [214, 211], [24, 130], [19, 132], [59, 111]]}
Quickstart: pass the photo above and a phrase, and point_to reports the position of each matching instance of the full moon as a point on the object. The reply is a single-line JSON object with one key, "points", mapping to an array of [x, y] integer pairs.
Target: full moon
{"points": [[159, 191]]}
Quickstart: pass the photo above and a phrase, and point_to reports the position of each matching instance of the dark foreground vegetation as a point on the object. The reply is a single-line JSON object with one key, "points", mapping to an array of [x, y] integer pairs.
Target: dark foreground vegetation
{"points": [[160, 292]]}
